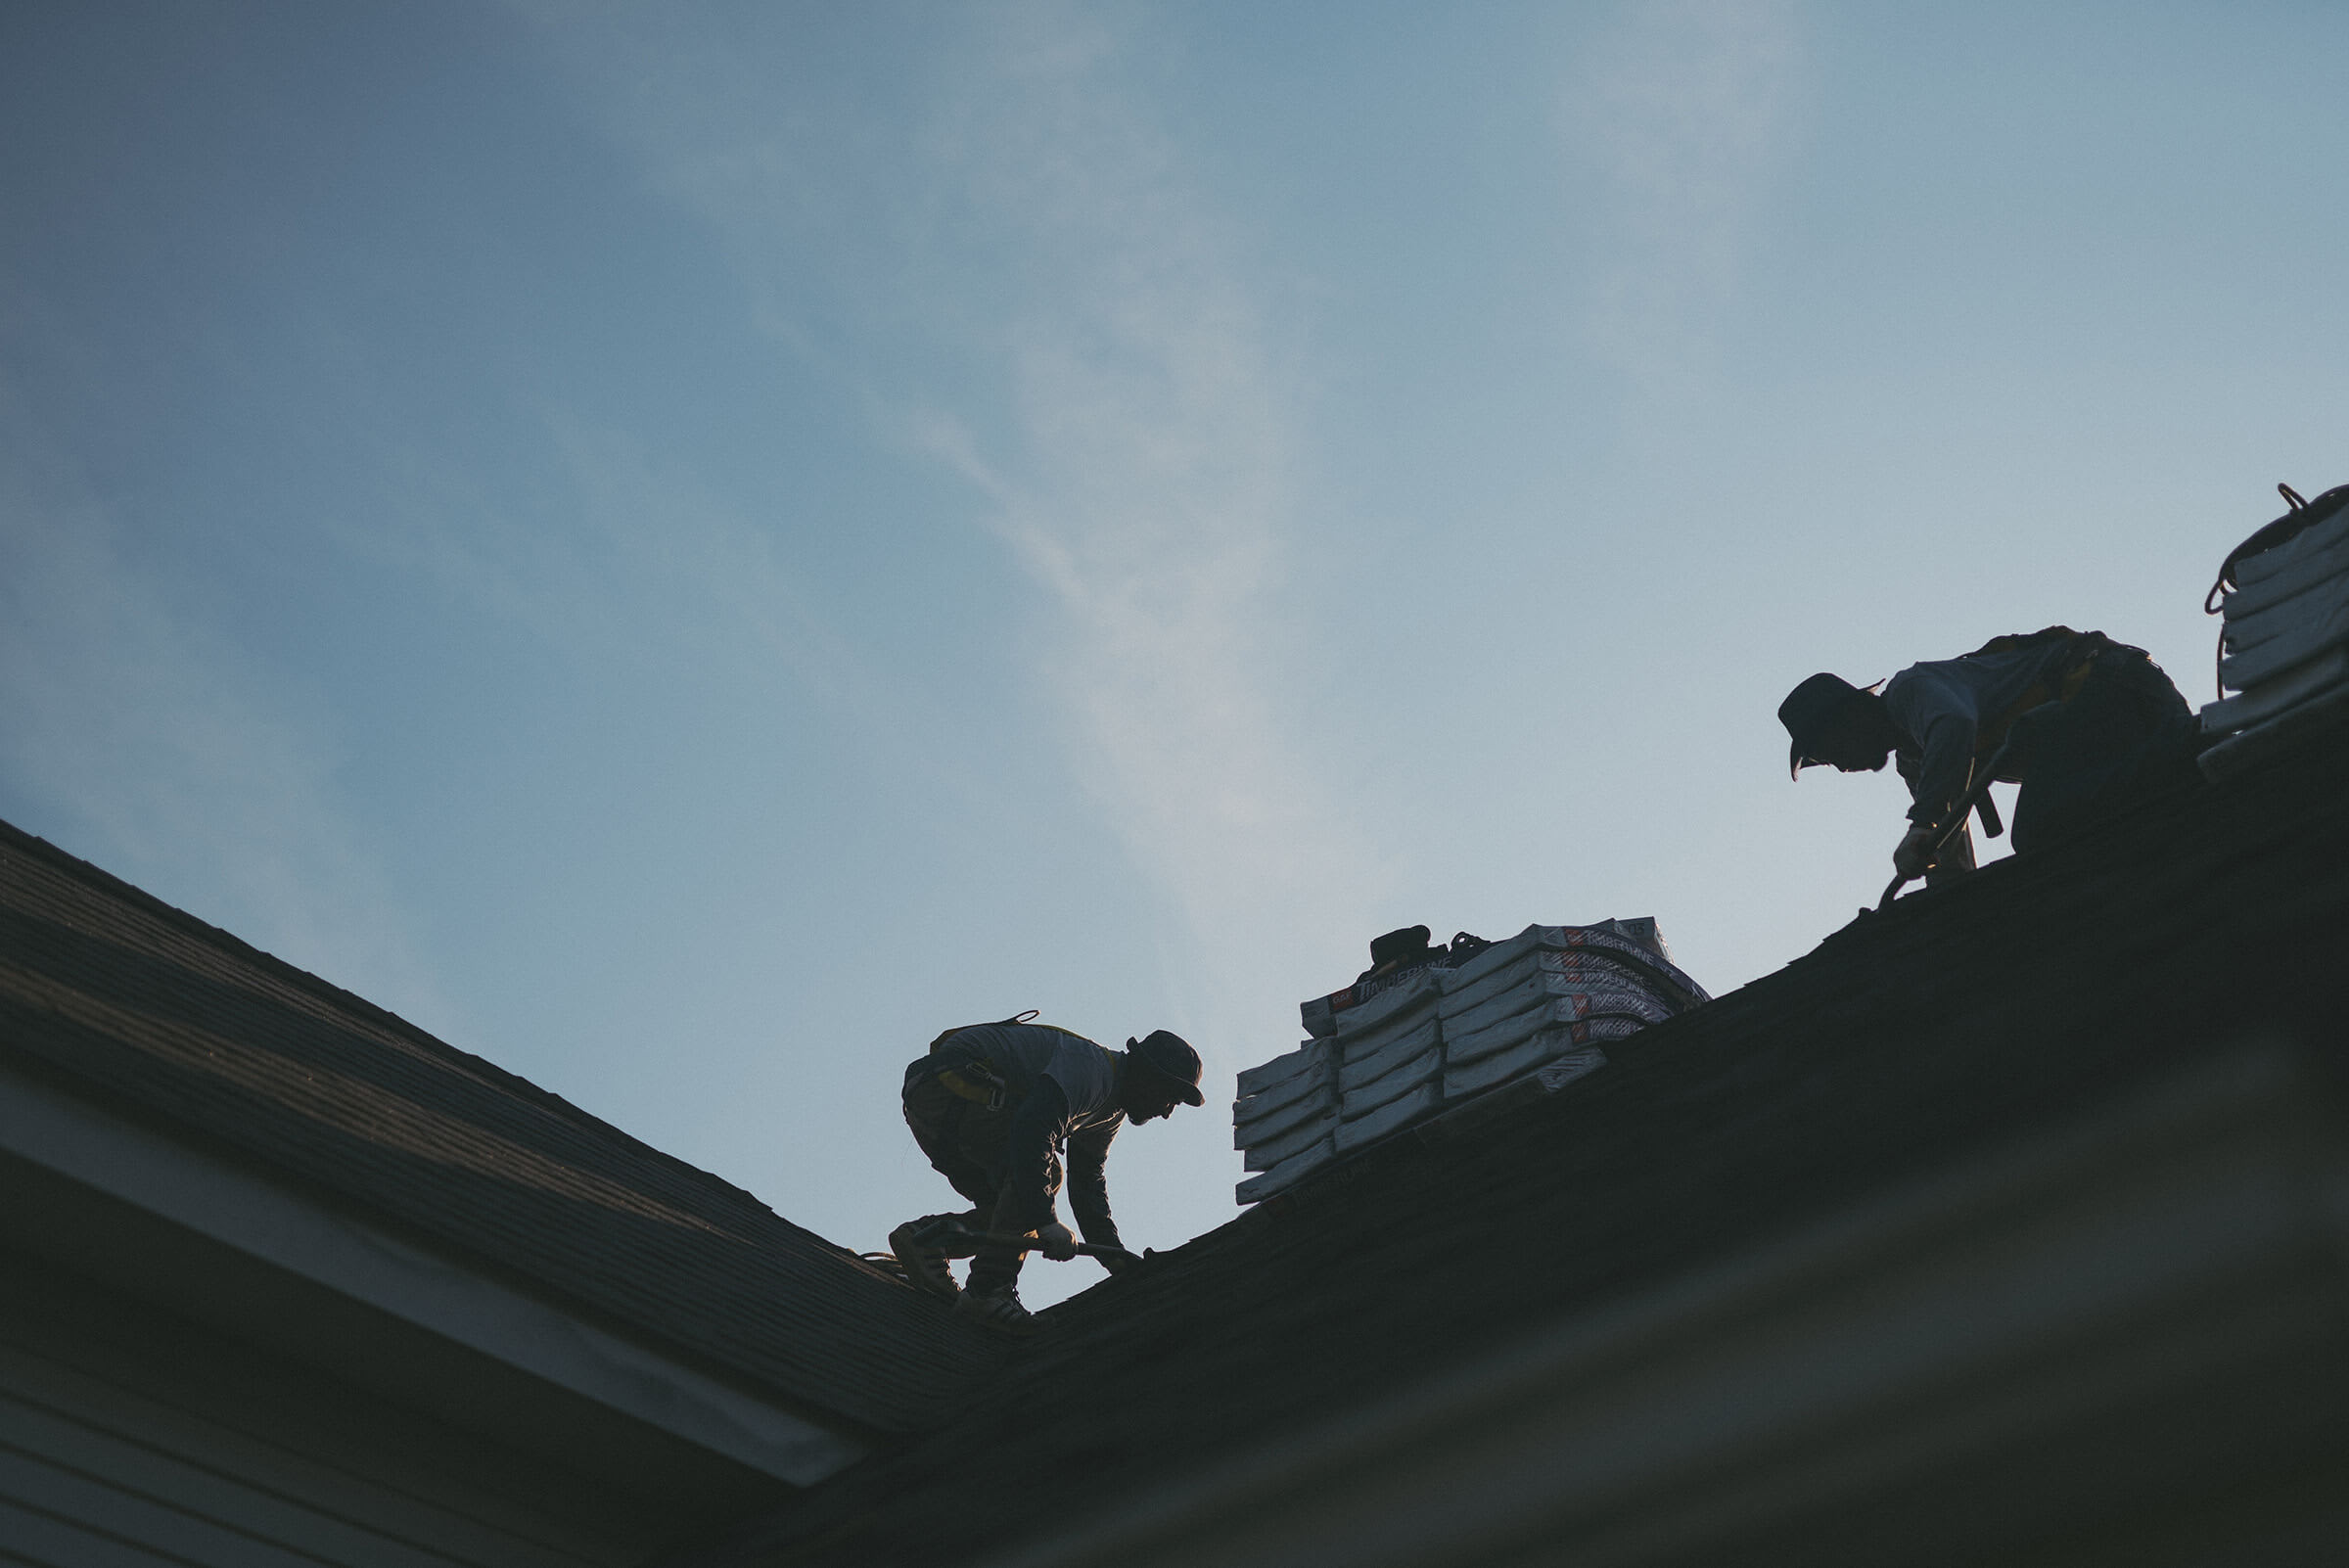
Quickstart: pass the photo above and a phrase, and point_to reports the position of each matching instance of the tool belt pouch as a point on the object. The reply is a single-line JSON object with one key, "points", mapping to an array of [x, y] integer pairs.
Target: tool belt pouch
{"points": [[968, 1076], [965, 1073], [977, 1082]]}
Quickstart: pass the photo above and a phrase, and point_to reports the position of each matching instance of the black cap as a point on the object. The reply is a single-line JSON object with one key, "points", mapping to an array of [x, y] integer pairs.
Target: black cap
{"points": [[1807, 713], [1395, 945], [1170, 1057]]}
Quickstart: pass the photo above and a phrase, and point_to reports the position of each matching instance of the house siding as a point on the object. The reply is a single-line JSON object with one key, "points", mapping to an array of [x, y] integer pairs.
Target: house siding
{"points": [[130, 1437]]}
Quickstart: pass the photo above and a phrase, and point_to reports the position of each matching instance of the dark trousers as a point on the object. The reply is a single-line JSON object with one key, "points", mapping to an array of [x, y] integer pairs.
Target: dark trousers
{"points": [[2126, 734], [964, 1141]]}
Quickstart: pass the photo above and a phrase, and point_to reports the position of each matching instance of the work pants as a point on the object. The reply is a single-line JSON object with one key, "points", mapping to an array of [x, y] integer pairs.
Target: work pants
{"points": [[965, 1142]]}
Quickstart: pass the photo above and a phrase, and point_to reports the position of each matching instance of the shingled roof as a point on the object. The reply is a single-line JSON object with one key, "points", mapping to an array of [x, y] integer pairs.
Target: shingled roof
{"points": [[1965, 1019], [114, 995]]}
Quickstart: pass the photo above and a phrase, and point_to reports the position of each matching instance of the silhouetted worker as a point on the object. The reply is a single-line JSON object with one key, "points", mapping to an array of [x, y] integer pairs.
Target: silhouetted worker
{"points": [[999, 1108], [2104, 727]]}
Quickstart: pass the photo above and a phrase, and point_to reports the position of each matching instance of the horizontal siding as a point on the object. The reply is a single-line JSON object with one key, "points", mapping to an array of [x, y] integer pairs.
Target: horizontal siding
{"points": [[102, 1460], [114, 1505], [28, 1535], [49, 1460], [101, 1429]]}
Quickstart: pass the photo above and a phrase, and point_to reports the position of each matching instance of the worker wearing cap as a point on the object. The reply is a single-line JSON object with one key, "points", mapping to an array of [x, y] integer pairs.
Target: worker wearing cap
{"points": [[2104, 727], [1001, 1109]]}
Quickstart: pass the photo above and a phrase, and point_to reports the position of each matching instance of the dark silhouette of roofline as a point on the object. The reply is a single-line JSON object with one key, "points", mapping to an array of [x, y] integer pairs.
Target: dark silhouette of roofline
{"points": [[2034, 1000]]}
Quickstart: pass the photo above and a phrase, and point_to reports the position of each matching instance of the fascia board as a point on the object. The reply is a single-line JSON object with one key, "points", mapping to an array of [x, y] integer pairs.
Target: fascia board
{"points": [[1672, 1426], [277, 1225]]}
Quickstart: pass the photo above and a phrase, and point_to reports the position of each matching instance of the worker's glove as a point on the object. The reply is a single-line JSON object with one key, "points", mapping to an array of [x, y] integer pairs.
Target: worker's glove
{"points": [[1915, 856], [1056, 1242], [1115, 1261]]}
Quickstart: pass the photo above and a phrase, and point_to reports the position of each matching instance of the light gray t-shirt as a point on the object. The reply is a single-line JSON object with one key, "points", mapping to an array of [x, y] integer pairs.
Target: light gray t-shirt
{"points": [[1086, 1073]]}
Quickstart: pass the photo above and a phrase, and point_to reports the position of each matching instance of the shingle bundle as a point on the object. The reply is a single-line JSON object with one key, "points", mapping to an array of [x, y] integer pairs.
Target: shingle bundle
{"points": [[2285, 646], [1388, 1052]]}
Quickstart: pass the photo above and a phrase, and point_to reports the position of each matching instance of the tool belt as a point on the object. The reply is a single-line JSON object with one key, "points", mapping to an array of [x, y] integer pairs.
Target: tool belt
{"points": [[966, 1075], [2061, 685], [976, 1079]]}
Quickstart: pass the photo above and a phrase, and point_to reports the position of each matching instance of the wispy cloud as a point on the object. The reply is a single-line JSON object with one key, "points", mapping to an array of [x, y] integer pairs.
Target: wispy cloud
{"points": [[1678, 120], [163, 755], [1078, 339], [1145, 481]]}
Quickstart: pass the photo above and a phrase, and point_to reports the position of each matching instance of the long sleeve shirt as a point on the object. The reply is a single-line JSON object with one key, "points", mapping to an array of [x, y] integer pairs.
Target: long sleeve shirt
{"points": [[1943, 709], [1062, 1091]]}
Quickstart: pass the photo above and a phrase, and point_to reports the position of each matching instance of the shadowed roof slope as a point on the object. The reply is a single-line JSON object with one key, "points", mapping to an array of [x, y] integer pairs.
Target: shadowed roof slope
{"points": [[112, 994], [1967, 1018]]}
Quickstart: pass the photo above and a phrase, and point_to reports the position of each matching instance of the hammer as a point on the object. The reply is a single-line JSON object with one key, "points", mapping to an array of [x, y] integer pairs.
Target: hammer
{"points": [[1012, 1243], [1975, 798]]}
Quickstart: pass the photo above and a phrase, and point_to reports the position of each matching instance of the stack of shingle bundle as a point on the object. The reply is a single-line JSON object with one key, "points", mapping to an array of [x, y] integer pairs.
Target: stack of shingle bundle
{"points": [[1553, 989], [1286, 1117], [1469, 1018], [2285, 647], [1290, 1110]]}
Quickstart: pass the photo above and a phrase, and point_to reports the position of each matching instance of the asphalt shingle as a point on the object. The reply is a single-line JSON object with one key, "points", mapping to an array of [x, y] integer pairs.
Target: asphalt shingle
{"points": [[2021, 998], [113, 995]]}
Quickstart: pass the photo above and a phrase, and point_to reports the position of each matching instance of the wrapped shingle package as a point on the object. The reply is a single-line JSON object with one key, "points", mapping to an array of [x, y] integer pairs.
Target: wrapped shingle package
{"points": [[2284, 651], [1386, 1053]]}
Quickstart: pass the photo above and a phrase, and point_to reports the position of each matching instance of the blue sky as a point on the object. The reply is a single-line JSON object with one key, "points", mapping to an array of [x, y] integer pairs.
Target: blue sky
{"points": [[688, 547]]}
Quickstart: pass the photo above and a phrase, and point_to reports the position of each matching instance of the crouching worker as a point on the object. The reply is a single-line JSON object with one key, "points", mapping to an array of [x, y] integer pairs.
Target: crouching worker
{"points": [[2095, 725], [1001, 1109]]}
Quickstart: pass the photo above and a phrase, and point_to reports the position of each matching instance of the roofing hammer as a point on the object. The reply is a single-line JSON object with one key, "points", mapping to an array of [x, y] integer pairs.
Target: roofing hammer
{"points": [[1976, 798], [1012, 1243]]}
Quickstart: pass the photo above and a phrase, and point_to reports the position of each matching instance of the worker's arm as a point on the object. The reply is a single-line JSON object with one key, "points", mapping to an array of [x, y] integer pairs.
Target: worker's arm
{"points": [[1942, 719], [1088, 1184]]}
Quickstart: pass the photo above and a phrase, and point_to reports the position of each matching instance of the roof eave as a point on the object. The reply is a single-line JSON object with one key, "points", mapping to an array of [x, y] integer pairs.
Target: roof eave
{"points": [[263, 1228]]}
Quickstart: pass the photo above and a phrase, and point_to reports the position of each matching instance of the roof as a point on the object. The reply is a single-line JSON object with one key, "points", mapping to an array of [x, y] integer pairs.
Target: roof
{"points": [[1966, 1018], [114, 995]]}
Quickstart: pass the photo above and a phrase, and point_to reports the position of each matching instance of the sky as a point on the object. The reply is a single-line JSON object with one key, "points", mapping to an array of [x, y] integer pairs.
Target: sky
{"points": [[687, 548]]}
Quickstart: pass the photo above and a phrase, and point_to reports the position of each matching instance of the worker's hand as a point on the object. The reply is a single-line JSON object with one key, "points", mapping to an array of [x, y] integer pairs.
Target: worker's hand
{"points": [[1056, 1242], [1114, 1261], [1915, 856]]}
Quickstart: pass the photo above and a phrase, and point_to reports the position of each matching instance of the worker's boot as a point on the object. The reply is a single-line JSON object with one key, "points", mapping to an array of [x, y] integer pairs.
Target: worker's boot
{"points": [[993, 1296], [922, 1251], [999, 1308]]}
